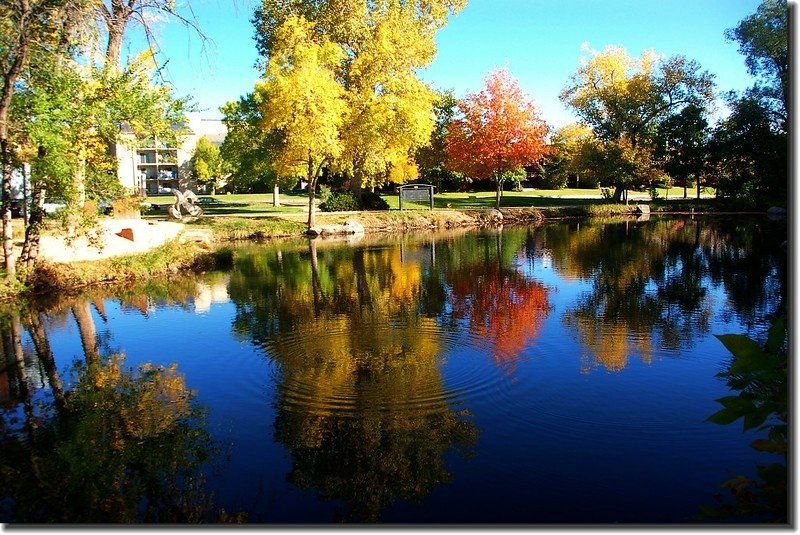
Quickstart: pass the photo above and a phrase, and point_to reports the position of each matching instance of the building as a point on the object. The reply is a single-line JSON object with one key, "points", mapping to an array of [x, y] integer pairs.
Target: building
{"points": [[153, 167]]}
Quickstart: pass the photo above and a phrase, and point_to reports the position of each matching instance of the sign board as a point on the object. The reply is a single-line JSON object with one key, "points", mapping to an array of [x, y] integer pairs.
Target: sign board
{"points": [[416, 192]]}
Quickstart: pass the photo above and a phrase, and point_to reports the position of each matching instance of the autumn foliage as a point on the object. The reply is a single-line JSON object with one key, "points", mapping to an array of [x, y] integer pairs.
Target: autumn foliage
{"points": [[499, 130], [505, 309]]}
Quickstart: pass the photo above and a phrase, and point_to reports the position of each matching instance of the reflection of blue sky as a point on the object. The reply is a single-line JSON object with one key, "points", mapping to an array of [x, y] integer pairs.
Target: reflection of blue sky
{"points": [[554, 442]]}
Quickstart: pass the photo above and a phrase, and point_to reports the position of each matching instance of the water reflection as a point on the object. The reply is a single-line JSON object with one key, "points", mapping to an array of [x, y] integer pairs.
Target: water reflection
{"points": [[120, 446], [502, 307], [650, 283], [375, 369], [362, 407]]}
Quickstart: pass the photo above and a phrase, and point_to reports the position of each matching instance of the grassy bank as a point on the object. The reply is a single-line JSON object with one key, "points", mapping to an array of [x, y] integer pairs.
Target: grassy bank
{"points": [[175, 257]]}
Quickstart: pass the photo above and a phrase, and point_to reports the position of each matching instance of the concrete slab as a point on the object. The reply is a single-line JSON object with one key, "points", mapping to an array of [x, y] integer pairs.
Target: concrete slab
{"points": [[114, 240]]}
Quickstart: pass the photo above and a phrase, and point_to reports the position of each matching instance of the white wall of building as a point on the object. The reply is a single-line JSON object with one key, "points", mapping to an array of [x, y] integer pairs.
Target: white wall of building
{"points": [[128, 170]]}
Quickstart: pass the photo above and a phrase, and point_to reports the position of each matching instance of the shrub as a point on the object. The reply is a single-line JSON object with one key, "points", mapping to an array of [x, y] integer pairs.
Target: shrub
{"points": [[339, 201], [373, 201]]}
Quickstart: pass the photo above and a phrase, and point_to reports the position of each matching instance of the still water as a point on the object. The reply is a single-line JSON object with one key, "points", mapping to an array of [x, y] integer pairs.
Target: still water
{"points": [[557, 374]]}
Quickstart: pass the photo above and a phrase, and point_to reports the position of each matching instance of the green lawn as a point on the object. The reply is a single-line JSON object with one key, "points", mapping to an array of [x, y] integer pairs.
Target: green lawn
{"points": [[260, 204], [539, 198], [245, 204]]}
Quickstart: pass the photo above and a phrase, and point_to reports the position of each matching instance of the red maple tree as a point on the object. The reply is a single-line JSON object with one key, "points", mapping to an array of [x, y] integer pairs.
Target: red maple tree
{"points": [[499, 130]]}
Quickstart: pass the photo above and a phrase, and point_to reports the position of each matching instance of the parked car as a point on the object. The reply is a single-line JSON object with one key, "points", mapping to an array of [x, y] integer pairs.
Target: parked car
{"points": [[107, 207], [51, 206]]}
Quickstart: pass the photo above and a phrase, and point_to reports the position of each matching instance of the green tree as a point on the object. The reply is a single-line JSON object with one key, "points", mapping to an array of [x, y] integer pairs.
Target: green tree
{"points": [[248, 151], [763, 39], [28, 28], [206, 163], [568, 145], [683, 146], [432, 158], [68, 109], [623, 99], [303, 102], [749, 156], [73, 110], [751, 146]]}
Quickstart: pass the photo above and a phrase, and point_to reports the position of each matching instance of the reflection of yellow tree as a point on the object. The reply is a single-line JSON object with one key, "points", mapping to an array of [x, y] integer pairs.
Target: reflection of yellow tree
{"points": [[122, 446], [609, 345], [647, 281], [362, 403]]}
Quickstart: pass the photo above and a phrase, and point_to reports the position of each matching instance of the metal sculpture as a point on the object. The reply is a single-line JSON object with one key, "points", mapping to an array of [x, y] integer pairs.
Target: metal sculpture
{"points": [[184, 207]]}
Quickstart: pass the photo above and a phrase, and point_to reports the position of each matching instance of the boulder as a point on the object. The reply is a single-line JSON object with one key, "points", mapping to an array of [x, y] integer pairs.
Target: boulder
{"points": [[351, 226], [354, 227], [776, 212]]}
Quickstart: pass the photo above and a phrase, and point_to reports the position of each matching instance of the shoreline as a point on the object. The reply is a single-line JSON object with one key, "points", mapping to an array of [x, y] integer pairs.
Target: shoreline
{"points": [[200, 246]]}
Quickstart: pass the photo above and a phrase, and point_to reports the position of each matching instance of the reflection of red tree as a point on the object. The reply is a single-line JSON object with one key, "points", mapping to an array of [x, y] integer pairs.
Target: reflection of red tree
{"points": [[504, 308]]}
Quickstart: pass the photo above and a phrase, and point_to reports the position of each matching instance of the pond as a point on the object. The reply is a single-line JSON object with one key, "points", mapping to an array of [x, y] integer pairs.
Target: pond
{"points": [[555, 374]]}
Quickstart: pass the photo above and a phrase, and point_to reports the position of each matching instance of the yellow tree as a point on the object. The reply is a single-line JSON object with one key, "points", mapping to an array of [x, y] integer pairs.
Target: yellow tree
{"points": [[623, 99], [304, 102], [390, 111]]}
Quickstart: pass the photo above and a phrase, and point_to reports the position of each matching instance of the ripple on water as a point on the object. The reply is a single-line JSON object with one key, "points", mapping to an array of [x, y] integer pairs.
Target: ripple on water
{"points": [[386, 368]]}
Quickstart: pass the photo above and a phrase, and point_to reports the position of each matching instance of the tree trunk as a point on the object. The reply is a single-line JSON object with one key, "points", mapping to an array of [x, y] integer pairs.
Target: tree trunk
{"points": [[114, 44], [698, 187], [5, 212], [618, 190], [498, 182], [33, 232], [355, 182], [362, 286], [88, 333], [316, 286], [9, 80], [79, 191], [116, 20], [276, 195], [312, 186], [41, 343]]}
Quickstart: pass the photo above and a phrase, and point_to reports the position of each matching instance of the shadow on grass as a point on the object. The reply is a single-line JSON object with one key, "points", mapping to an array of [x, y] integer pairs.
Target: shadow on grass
{"points": [[230, 209], [474, 202]]}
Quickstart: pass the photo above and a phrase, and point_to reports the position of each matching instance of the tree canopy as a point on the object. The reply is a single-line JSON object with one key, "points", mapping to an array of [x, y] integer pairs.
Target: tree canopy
{"points": [[206, 163], [388, 113], [498, 130], [304, 102], [763, 39], [623, 99]]}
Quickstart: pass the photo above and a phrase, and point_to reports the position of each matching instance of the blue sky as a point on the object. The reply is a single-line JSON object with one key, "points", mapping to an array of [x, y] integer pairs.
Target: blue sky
{"points": [[538, 41]]}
